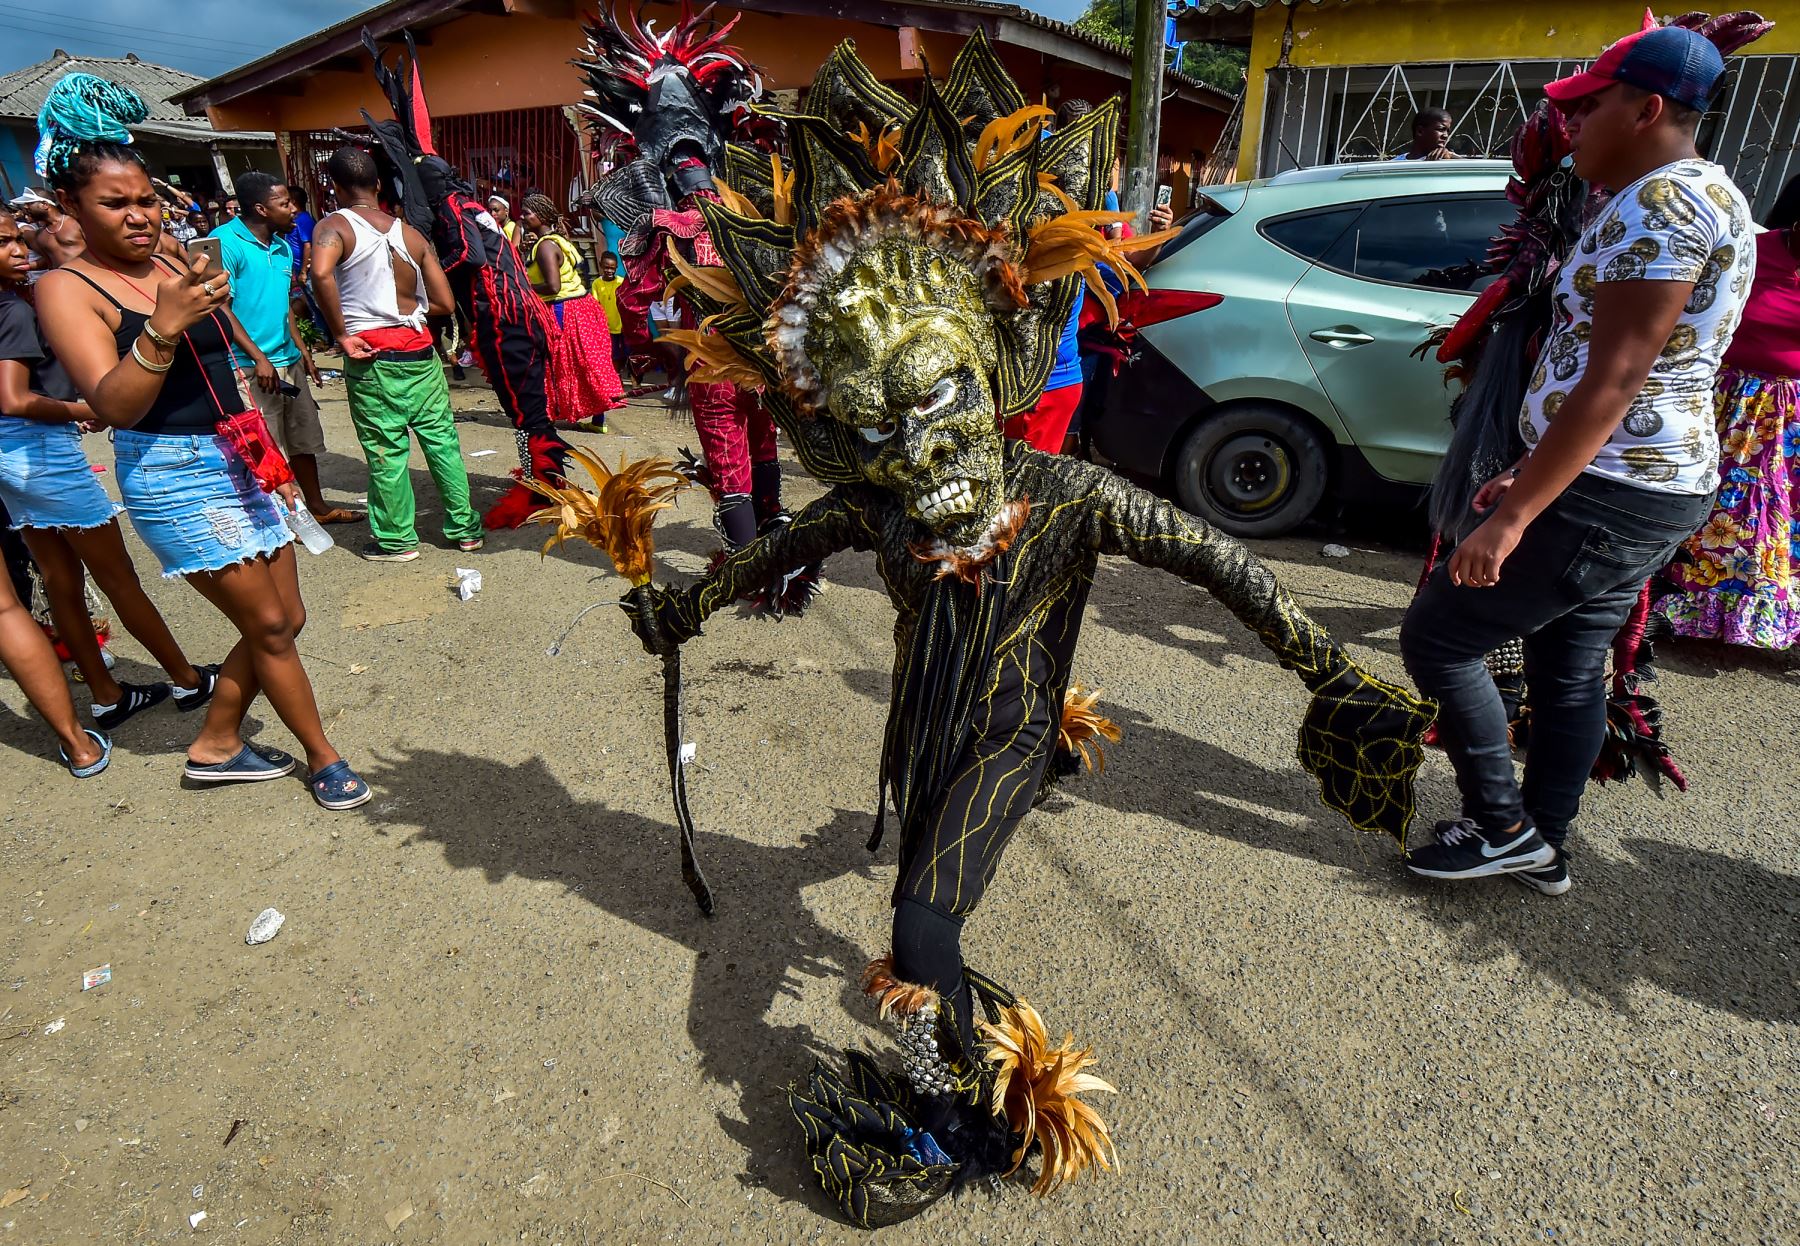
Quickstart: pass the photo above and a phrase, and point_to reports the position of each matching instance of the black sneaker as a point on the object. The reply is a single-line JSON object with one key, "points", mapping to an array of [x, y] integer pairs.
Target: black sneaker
{"points": [[379, 553], [1552, 880], [1463, 850], [138, 697], [186, 701]]}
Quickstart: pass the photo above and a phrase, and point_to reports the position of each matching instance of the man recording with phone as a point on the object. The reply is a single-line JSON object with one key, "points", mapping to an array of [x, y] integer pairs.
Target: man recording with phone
{"points": [[260, 261]]}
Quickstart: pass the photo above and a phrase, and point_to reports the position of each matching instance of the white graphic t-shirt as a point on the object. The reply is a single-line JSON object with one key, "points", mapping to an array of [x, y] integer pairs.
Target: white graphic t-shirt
{"points": [[1682, 222]]}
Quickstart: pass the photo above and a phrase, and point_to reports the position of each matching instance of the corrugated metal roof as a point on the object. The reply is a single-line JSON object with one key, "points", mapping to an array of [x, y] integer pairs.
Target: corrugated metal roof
{"points": [[22, 93]]}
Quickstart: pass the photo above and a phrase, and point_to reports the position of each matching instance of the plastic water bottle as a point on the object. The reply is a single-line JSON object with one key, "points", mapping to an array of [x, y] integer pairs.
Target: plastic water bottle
{"points": [[311, 534]]}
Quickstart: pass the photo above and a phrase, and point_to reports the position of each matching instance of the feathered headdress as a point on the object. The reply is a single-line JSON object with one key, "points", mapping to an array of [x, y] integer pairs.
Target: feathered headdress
{"points": [[675, 96], [968, 170]]}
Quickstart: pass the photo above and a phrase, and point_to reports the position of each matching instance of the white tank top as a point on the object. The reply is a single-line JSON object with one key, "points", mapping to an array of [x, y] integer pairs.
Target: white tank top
{"points": [[366, 279]]}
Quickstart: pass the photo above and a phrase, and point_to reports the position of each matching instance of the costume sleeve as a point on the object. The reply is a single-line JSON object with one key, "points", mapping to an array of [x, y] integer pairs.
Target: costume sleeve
{"points": [[1146, 529], [1360, 735], [839, 520]]}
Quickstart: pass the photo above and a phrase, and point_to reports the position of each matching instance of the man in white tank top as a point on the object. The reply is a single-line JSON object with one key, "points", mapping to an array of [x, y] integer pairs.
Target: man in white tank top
{"points": [[376, 280]]}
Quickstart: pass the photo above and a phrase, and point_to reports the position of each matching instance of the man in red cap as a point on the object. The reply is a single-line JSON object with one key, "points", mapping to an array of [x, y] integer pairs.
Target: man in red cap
{"points": [[1620, 465]]}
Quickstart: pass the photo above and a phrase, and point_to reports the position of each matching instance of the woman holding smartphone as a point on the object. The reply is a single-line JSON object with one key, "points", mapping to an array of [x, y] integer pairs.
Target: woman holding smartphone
{"points": [[146, 343], [64, 515]]}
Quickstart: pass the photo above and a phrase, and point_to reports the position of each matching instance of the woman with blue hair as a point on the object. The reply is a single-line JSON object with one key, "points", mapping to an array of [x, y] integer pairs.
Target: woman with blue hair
{"points": [[147, 343]]}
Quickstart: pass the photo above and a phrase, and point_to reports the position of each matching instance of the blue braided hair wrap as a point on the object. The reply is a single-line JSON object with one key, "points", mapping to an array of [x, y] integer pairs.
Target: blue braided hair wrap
{"points": [[82, 108]]}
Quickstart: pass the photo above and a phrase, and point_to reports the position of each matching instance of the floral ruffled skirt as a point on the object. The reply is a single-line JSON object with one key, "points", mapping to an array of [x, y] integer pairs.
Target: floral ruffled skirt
{"points": [[1738, 578]]}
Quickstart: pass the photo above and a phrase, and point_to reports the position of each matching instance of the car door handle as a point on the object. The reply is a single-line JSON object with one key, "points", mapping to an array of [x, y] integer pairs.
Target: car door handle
{"points": [[1342, 337]]}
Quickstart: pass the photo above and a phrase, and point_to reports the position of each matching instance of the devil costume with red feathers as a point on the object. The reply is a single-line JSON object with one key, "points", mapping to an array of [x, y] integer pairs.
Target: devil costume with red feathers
{"points": [[512, 329], [666, 105]]}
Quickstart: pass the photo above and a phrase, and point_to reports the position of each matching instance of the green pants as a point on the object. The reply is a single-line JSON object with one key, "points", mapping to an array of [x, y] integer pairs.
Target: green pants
{"points": [[386, 400]]}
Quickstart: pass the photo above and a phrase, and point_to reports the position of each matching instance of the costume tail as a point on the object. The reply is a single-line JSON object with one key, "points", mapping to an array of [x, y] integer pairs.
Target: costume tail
{"points": [[543, 455]]}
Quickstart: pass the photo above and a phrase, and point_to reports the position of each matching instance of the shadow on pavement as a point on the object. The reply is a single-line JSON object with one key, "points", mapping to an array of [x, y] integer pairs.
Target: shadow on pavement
{"points": [[762, 944], [1713, 928]]}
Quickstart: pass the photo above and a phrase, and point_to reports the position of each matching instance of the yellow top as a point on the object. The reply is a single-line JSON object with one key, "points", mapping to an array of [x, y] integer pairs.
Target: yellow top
{"points": [[568, 271], [511, 230], [606, 293]]}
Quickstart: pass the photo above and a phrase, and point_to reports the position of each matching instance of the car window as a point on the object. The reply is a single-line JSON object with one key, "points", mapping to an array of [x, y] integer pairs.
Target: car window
{"points": [[1440, 244], [1310, 234], [1206, 216]]}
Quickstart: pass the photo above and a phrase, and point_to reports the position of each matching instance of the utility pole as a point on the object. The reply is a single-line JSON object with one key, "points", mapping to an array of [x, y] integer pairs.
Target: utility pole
{"points": [[1146, 110]]}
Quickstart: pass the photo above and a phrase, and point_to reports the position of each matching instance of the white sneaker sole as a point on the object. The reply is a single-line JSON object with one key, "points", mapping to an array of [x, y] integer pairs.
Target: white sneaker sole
{"points": [[1488, 869], [1543, 887]]}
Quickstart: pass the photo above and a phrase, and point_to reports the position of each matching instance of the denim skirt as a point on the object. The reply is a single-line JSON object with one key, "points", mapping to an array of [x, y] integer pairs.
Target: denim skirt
{"points": [[194, 503], [45, 479]]}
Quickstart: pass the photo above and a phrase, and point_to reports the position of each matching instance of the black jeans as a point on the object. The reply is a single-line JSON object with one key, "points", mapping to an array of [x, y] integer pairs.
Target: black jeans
{"points": [[1566, 590]]}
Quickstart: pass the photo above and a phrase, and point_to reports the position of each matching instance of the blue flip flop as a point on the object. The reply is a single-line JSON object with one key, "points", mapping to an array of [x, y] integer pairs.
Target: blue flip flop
{"points": [[251, 765], [337, 787], [89, 771]]}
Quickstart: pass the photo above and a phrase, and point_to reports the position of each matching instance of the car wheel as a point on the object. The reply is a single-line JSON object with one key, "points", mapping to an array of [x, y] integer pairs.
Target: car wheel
{"points": [[1254, 471]]}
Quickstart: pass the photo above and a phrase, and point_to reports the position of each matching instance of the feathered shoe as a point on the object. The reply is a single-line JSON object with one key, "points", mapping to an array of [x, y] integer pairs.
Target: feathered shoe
{"points": [[885, 1148]]}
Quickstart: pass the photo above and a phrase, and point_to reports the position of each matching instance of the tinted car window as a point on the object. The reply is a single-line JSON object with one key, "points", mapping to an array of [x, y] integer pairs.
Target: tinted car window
{"points": [[1204, 218], [1440, 244], [1310, 234]]}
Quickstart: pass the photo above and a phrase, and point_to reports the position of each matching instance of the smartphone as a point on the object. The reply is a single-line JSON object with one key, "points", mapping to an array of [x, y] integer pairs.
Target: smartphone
{"points": [[1165, 194], [212, 249]]}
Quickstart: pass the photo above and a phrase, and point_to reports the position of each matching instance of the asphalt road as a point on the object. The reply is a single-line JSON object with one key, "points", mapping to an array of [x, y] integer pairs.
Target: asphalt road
{"points": [[495, 1015]]}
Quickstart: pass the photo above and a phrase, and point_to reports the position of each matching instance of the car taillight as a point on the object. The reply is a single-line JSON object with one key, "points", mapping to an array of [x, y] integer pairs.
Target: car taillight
{"points": [[1144, 308]]}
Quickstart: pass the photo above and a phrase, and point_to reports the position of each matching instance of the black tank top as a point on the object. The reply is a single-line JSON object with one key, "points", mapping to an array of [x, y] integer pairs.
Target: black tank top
{"points": [[185, 406]]}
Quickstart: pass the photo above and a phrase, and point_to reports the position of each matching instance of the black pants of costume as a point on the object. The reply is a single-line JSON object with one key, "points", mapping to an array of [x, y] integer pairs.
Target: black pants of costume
{"points": [[515, 360], [1566, 590], [946, 867]]}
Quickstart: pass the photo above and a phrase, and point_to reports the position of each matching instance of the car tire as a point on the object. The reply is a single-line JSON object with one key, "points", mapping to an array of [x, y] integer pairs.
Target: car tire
{"points": [[1253, 471]]}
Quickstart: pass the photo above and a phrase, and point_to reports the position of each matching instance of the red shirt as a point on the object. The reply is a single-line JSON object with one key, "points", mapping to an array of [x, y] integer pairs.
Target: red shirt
{"points": [[1768, 338]]}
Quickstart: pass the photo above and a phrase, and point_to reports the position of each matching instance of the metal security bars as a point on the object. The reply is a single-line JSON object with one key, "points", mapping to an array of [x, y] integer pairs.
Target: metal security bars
{"points": [[1339, 113]]}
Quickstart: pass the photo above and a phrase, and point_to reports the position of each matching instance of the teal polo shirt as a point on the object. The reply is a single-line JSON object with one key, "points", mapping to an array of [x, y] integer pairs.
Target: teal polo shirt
{"points": [[260, 281]]}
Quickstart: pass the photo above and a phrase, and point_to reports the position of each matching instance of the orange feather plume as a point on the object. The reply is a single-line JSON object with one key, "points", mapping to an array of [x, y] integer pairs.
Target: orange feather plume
{"points": [[783, 184], [882, 146], [710, 358], [1083, 728], [1074, 243], [716, 283], [734, 201], [616, 519], [1005, 135], [896, 998], [1037, 1092]]}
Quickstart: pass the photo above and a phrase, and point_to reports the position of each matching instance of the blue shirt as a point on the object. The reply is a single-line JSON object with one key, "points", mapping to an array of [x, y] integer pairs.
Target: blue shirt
{"points": [[300, 235], [260, 279], [1068, 350]]}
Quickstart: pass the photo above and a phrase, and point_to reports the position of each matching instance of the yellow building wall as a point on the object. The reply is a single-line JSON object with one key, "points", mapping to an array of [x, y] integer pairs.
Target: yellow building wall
{"points": [[1387, 32]]}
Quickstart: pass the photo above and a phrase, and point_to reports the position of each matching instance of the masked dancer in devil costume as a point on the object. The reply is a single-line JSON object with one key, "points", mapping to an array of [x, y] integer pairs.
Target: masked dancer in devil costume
{"points": [[900, 294], [512, 334], [666, 105]]}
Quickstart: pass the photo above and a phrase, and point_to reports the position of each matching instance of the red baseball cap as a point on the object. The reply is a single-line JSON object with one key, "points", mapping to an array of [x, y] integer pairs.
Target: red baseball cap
{"points": [[1671, 61]]}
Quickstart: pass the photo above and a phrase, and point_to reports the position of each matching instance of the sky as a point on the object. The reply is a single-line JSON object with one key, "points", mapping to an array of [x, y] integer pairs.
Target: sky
{"points": [[205, 37]]}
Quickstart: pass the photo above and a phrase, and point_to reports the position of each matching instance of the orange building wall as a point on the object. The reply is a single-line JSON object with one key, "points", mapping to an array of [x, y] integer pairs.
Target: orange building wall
{"points": [[483, 63]]}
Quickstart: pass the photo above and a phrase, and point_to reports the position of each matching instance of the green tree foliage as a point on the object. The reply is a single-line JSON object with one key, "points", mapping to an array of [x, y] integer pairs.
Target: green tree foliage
{"points": [[1216, 64]]}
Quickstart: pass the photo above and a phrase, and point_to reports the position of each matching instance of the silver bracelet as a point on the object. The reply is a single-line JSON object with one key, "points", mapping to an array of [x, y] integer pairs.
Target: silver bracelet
{"points": [[146, 365], [151, 333]]}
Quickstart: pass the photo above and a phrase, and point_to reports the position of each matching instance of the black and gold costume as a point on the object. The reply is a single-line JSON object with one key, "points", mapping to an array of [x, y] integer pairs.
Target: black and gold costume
{"points": [[900, 291]]}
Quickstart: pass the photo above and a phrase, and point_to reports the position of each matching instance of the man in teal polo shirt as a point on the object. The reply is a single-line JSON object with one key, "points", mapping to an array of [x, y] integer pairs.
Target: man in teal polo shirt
{"points": [[261, 266]]}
